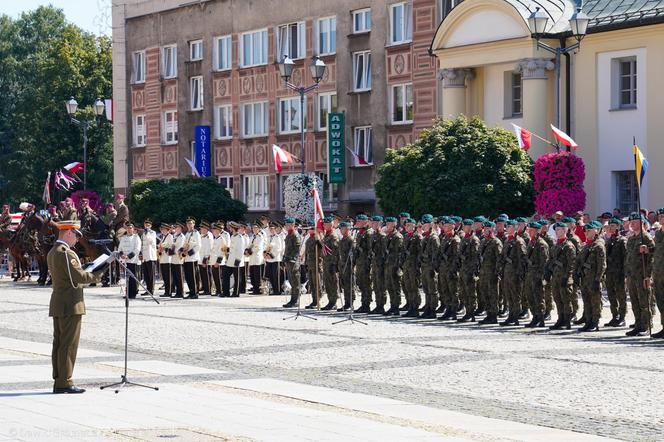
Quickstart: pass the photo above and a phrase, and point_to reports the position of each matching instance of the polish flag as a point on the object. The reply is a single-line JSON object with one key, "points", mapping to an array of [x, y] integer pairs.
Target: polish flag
{"points": [[523, 137], [318, 210], [358, 160], [194, 171], [74, 167], [563, 138], [281, 156]]}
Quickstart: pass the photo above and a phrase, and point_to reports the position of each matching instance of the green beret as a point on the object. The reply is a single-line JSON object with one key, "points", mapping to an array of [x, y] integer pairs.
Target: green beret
{"points": [[390, 219], [660, 211], [410, 221], [521, 220], [427, 218], [377, 218], [344, 224], [328, 219], [404, 215], [502, 219], [511, 222], [615, 221], [362, 217], [488, 224], [479, 219], [543, 222], [569, 219], [456, 219], [467, 222], [635, 216], [594, 225], [535, 225], [560, 224], [289, 220], [445, 220]]}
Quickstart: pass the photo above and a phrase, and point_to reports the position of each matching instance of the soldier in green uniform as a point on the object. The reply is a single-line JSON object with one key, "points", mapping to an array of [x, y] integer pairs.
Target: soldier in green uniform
{"points": [[330, 264], [571, 226], [293, 243], [429, 266], [537, 255], [449, 263], [346, 265], [491, 251], [393, 261], [378, 251], [559, 271], [411, 269], [469, 253], [501, 234], [522, 231], [638, 269], [548, 295], [616, 251], [658, 271], [514, 266], [590, 268], [363, 255], [67, 305], [313, 258], [478, 222]]}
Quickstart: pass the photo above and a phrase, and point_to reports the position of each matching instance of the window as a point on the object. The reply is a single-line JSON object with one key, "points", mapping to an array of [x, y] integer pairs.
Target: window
{"points": [[447, 6], [291, 41], [196, 92], [255, 192], [362, 71], [626, 191], [627, 83], [513, 104], [253, 48], [516, 95], [327, 35], [402, 103], [330, 194], [169, 61], [170, 135], [289, 115], [364, 144], [325, 103], [138, 67], [223, 122], [223, 53], [196, 50], [139, 131], [361, 21], [227, 183], [254, 119], [400, 23]]}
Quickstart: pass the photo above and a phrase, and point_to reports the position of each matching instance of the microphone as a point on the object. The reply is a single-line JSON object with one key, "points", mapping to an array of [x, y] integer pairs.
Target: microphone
{"points": [[100, 241]]}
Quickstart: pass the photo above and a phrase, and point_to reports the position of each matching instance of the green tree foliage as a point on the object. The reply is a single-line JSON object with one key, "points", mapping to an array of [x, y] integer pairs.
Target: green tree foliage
{"points": [[43, 61], [457, 167], [163, 201]]}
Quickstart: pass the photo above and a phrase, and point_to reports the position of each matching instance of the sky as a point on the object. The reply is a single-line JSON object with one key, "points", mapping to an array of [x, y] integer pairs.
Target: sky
{"points": [[91, 15]]}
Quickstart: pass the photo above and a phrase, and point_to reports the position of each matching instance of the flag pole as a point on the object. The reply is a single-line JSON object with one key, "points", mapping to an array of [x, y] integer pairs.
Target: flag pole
{"points": [[643, 256]]}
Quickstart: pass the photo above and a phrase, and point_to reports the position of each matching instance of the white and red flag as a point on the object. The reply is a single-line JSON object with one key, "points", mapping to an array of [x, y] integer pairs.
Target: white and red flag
{"points": [[194, 170], [523, 137], [318, 210], [563, 138], [108, 108], [358, 160], [280, 157], [74, 167]]}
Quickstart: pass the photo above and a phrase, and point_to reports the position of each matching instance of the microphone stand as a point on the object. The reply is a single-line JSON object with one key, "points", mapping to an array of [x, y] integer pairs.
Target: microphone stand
{"points": [[124, 380]]}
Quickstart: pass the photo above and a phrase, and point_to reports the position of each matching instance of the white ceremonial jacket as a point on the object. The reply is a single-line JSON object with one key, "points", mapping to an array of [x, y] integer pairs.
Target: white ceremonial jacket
{"points": [[192, 241], [218, 252], [178, 243], [149, 245], [130, 245], [276, 247], [206, 248], [236, 254], [257, 246], [166, 244]]}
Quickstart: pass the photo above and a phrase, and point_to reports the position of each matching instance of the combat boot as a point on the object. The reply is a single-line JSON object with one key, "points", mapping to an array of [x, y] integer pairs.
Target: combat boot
{"points": [[558, 325], [393, 311], [522, 315], [479, 310], [467, 317], [428, 314], [532, 322], [441, 309], [612, 322], [637, 331], [290, 304], [581, 320], [540, 322], [490, 319], [377, 311], [594, 326], [329, 306], [586, 327], [412, 313], [312, 305], [363, 309], [404, 308], [621, 321], [510, 319], [658, 335]]}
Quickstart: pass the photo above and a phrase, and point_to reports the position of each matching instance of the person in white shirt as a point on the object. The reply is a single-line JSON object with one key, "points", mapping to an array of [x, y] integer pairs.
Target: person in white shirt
{"points": [[191, 253], [164, 248], [256, 259], [148, 255], [129, 248], [235, 262], [218, 255], [204, 261], [273, 255], [177, 260]]}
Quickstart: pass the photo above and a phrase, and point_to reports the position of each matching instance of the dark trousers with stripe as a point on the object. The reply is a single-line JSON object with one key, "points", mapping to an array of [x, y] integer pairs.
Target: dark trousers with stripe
{"points": [[256, 275], [148, 268], [190, 277], [216, 279], [275, 276], [132, 285], [176, 273], [204, 271], [166, 276]]}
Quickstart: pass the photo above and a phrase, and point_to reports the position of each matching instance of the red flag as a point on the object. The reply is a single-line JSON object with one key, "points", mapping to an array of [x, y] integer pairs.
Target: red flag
{"points": [[280, 156], [74, 167], [523, 137], [318, 210], [563, 138], [358, 160]]}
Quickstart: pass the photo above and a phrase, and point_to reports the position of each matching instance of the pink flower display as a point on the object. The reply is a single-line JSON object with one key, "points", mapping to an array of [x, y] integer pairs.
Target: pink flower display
{"points": [[558, 182]]}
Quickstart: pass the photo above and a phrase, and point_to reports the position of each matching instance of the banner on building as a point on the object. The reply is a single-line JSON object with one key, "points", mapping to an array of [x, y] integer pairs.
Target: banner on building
{"points": [[203, 154], [336, 147]]}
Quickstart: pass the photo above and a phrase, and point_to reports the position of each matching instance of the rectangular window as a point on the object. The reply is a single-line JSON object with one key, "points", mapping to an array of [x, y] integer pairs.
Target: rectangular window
{"points": [[364, 144], [170, 135], [227, 183], [256, 192], [402, 103], [400, 23], [361, 21], [362, 71], [223, 122], [253, 47], [327, 36], [291, 41], [138, 67], [196, 50], [626, 191], [289, 115], [196, 92], [447, 6], [139, 130], [254, 119], [223, 51], [516, 105], [169, 61], [325, 103], [627, 83]]}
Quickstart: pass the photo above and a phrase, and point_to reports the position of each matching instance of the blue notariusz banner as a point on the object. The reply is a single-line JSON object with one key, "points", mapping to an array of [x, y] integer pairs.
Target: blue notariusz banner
{"points": [[203, 154]]}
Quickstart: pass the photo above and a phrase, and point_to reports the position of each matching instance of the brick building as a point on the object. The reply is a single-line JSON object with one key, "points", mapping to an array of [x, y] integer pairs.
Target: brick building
{"points": [[212, 63]]}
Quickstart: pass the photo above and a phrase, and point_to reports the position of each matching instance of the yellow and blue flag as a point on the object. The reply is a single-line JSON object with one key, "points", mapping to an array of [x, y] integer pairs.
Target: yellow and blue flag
{"points": [[641, 165]]}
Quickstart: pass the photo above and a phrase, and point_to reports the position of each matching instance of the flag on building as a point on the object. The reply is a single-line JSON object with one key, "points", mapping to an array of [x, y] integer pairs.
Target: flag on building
{"points": [[194, 171], [318, 210], [280, 157], [46, 196], [74, 167], [358, 160], [641, 165], [563, 138], [108, 108], [523, 137]]}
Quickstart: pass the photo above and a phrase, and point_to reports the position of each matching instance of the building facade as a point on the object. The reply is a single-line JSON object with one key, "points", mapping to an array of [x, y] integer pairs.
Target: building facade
{"points": [[212, 63]]}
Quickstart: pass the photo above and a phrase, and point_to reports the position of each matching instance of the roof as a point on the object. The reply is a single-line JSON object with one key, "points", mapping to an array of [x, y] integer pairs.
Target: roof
{"points": [[606, 14]]}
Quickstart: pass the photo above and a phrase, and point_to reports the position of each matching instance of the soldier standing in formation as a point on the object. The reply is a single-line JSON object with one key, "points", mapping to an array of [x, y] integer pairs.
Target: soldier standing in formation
{"points": [[537, 255], [468, 274], [590, 268], [330, 264], [411, 269], [346, 265], [378, 251], [638, 269], [658, 271], [363, 261], [393, 272], [148, 255], [559, 274], [164, 253], [449, 263], [292, 245], [429, 266], [313, 259], [491, 253], [616, 251]]}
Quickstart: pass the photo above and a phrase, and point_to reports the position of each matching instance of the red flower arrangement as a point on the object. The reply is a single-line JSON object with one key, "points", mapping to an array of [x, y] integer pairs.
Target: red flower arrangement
{"points": [[559, 183]]}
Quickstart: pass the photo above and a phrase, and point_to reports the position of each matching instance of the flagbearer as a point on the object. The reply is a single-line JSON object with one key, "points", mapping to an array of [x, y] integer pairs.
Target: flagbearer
{"points": [[638, 269]]}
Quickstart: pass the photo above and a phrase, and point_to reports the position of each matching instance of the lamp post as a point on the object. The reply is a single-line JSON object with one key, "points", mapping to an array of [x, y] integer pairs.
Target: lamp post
{"points": [[72, 107], [537, 23], [317, 69]]}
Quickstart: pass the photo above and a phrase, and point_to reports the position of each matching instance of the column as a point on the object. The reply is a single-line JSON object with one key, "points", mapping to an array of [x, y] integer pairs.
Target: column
{"points": [[535, 101], [454, 91]]}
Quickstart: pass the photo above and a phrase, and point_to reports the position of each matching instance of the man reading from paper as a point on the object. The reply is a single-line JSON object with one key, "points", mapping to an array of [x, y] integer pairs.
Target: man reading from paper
{"points": [[67, 305]]}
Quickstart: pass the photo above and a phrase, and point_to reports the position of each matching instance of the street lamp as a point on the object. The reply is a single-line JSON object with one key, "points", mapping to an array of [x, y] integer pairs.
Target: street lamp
{"points": [[72, 107], [537, 23], [317, 69]]}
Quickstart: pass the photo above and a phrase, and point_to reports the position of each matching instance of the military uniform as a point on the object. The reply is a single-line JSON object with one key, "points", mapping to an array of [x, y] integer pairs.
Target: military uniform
{"points": [[537, 255], [5, 221], [658, 273], [449, 263], [331, 268], [313, 254], [590, 268], [378, 281], [429, 264], [469, 252], [577, 290], [616, 251], [393, 272], [363, 264], [636, 272], [292, 245], [548, 294], [346, 269], [411, 272], [491, 251], [514, 272], [149, 257], [165, 246], [560, 269]]}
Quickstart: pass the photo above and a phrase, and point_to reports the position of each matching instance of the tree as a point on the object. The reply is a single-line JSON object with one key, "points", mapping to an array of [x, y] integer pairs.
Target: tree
{"points": [[164, 201], [460, 167]]}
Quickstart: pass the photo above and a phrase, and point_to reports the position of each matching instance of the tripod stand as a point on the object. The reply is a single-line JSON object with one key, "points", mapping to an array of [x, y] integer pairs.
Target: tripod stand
{"points": [[350, 317], [299, 313], [124, 381]]}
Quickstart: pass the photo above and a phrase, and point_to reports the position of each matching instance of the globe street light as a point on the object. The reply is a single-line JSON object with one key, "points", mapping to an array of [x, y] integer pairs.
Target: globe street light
{"points": [[72, 107]]}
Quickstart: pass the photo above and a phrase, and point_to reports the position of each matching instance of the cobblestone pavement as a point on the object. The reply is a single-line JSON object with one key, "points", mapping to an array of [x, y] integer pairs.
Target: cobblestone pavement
{"points": [[601, 383]]}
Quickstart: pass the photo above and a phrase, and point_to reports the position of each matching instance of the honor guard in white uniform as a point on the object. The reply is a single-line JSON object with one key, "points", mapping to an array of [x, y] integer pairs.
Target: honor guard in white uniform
{"points": [[235, 261], [177, 260], [256, 259], [204, 261], [218, 254], [148, 254], [165, 245], [130, 248], [191, 255], [274, 253]]}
